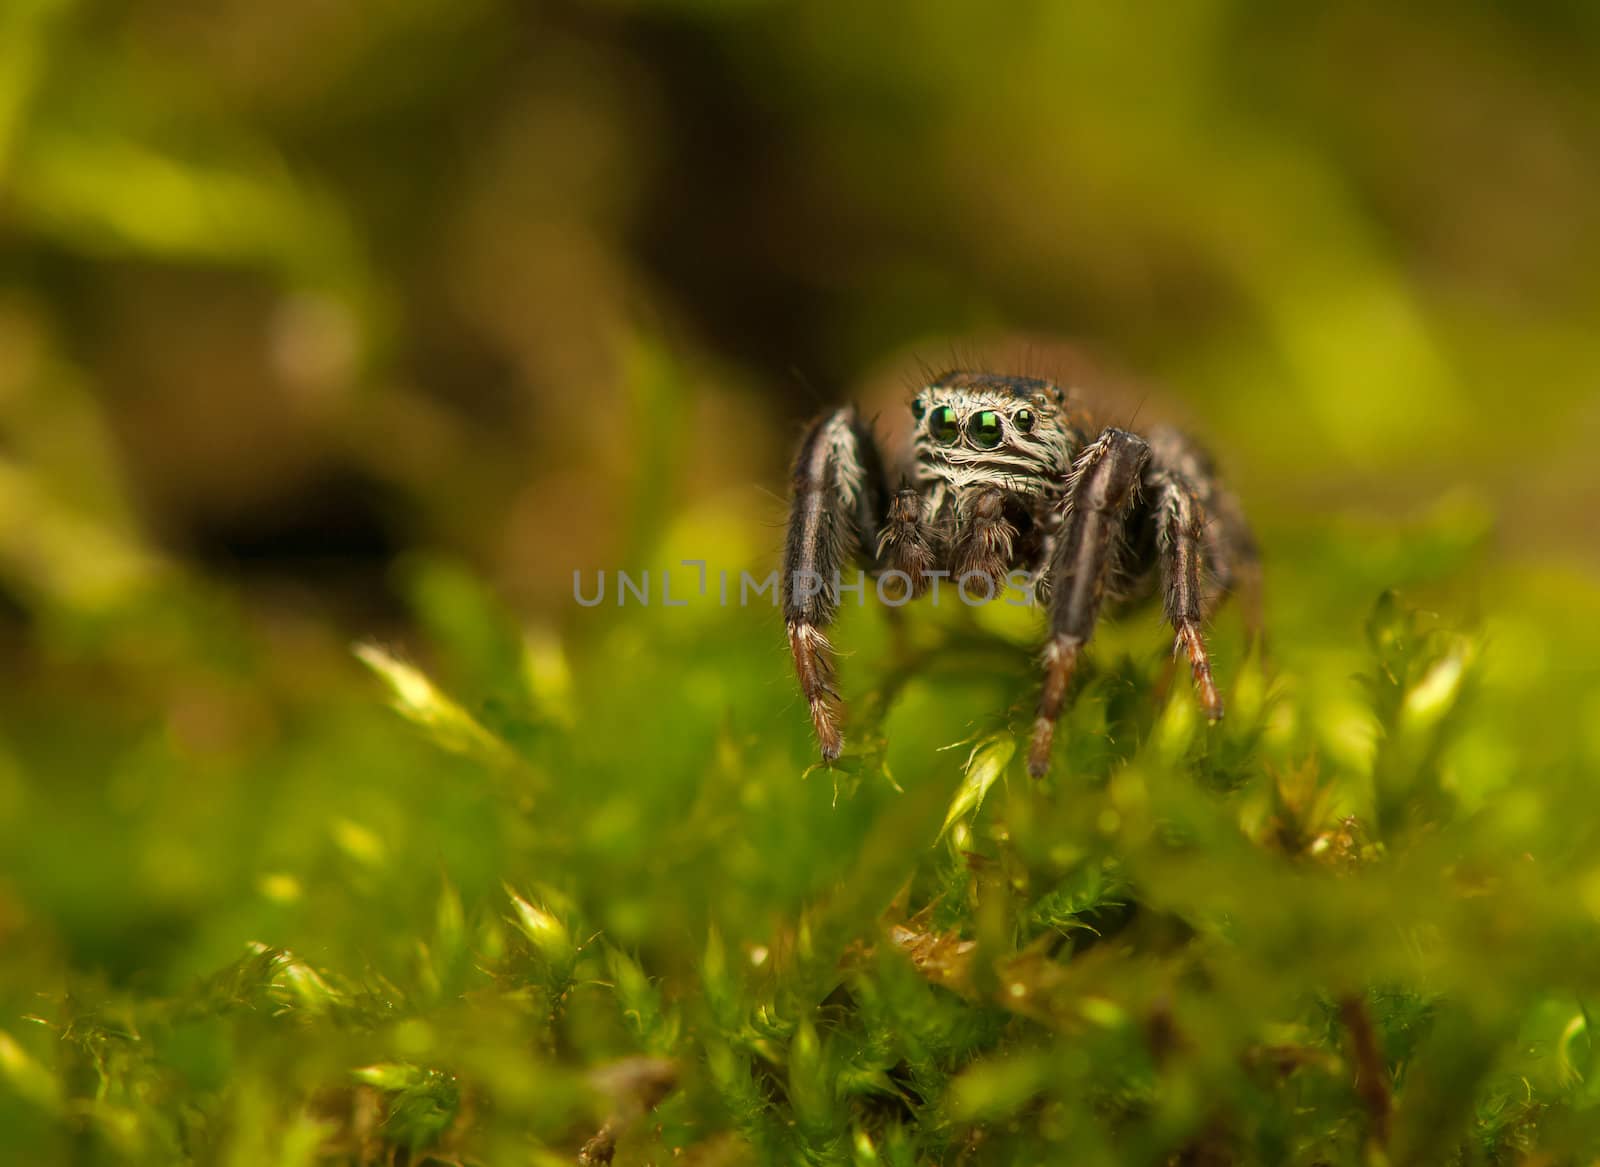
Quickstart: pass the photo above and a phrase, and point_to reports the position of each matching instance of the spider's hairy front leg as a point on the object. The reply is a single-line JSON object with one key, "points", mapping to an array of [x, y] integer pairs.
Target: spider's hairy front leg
{"points": [[837, 505], [1181, 540], [987, 541], [1105, 485]]}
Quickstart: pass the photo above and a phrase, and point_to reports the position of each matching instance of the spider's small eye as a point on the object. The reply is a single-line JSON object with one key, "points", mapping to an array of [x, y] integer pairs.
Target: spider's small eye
{"points": [[942, 425], [918, 408], [1023, 419], [984, 429]]}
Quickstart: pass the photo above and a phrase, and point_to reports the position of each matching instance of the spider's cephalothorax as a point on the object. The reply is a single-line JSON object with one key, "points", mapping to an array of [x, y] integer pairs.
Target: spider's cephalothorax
{"points": [[1011, 475]]}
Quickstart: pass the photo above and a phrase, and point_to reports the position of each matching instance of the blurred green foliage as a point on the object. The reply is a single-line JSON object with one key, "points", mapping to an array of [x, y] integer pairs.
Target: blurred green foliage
{"points": [[333, 338], [587, 890]]}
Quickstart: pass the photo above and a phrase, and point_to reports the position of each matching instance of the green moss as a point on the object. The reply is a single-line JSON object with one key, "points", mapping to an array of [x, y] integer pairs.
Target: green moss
{"points": [[497, 920]]}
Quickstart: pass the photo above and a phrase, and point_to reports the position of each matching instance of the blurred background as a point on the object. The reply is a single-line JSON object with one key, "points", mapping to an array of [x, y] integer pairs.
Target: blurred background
{"points": [[324, 322], [314, 315], [289, 289]]}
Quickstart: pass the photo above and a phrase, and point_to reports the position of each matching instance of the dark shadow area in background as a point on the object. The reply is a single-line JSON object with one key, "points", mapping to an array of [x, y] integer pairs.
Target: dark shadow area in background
{"points": [[335, 535], [704, 230]]}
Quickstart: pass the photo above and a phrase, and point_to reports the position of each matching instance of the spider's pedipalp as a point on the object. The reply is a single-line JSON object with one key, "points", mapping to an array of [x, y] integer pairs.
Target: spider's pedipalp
{"points": [[906, 544], [988, 536]]}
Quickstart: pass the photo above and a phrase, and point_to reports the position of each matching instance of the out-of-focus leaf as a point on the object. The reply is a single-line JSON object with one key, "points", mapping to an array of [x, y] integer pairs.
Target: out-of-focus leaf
{"points": [[417, 699], [985, 764]]}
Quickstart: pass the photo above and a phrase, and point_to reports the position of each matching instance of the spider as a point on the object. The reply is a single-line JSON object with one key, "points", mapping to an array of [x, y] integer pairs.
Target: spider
{"points": [[1011, 474]]}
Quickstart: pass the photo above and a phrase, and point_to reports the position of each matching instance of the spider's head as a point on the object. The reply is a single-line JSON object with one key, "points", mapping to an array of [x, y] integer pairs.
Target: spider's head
{"points": [[985, 429]]}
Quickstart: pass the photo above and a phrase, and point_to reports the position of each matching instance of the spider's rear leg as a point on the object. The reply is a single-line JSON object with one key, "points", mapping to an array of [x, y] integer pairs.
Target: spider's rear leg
{"points": [[1181, 470], [1105, 485], [837, 505], [1235, 557], [1180, 536]]}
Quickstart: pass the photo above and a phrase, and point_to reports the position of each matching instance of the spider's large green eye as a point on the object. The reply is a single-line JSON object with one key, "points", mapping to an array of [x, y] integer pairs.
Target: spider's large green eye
{"points": [[942, 425], [984, 429], [1023, 419]]}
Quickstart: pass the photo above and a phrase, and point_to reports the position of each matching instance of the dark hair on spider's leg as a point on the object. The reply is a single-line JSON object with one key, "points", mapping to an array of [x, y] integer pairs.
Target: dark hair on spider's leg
{"points": [[1105, 486]]}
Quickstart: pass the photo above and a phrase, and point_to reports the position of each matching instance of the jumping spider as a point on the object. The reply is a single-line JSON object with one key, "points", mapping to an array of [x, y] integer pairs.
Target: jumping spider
{"points": [[1009, 475]]}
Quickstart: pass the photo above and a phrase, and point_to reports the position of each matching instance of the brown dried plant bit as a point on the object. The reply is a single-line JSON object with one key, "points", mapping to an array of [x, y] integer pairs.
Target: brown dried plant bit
{"points": [[1162, 1035], [1010, 481], [638, 1083], [1281, 1059], [942, 957], [634, 1086], [1345, 845], [1372, 1077], [1292, 792]]}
